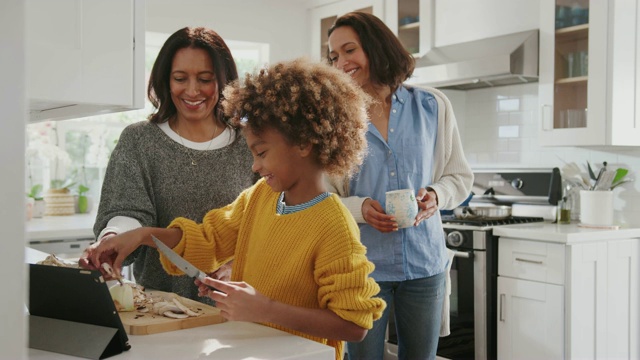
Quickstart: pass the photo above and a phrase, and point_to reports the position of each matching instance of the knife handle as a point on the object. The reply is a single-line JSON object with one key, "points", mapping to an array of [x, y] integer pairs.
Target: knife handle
{"points": [[201, 277]]}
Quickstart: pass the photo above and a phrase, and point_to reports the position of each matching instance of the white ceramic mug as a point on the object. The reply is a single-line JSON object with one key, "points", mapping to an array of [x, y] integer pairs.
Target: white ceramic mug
{"points": [[596, 207], [403, 206]]}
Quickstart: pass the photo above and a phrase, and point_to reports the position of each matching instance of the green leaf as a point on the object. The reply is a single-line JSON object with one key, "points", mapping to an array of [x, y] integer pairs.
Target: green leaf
{"points": [[35, 192], [82, 189], [592, 175], [620, 174]]}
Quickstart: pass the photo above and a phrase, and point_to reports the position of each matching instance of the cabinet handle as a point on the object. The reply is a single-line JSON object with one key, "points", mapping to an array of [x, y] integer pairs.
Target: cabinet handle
{"points": [[530, 261], [501, 305]]}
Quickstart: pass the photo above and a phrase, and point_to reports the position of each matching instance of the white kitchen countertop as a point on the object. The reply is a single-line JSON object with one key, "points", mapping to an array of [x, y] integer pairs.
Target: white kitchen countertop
{"points": [[78, 226], [564, 233], [229, 340]]}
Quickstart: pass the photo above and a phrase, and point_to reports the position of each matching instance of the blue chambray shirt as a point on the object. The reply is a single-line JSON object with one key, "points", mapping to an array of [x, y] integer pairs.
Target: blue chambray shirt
{"points": [[405, 161]]}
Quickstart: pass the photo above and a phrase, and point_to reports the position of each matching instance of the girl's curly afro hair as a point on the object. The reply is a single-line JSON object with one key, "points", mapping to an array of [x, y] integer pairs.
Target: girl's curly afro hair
{"points": [[308, 103]]}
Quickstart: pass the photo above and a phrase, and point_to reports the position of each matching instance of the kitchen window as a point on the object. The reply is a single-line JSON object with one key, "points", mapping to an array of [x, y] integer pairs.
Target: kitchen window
{"points": [[76, 152]]}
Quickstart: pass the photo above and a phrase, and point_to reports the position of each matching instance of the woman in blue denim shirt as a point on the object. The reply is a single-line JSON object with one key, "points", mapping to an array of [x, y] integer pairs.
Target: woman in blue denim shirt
{"points": [[413, 143]]}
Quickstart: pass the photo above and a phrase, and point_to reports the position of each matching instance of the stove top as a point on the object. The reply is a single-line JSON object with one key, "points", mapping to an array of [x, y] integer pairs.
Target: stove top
{"points": [[451, 219]]}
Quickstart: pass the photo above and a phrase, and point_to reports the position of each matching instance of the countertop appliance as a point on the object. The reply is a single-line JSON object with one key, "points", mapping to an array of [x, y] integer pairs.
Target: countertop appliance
{"points": [[473, 299]]}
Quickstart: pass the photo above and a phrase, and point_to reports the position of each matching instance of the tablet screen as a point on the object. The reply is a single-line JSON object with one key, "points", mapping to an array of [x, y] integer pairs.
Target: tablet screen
{"points": [[73, 294]]}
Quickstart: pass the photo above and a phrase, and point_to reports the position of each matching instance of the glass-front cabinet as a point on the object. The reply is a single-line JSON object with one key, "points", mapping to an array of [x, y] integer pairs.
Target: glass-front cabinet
{"points": [[409, 20], [322, 17], [406, 18], [586, 63]]}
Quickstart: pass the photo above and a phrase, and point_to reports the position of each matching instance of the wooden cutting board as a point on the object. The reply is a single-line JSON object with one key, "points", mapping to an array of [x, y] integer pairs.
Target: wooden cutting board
{"points": [[137, 323]]}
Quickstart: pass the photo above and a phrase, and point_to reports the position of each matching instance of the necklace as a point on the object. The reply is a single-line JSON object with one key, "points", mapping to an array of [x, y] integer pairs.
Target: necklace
{"points": [[193, 161]]}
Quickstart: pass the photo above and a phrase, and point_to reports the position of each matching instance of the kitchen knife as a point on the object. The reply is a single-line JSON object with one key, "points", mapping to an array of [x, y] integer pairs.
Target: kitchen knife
{"points": [[178, 261]]}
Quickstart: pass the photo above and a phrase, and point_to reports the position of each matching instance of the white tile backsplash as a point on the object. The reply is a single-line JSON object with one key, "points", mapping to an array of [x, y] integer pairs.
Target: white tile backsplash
{"points": [[499, 129], [508, 131]]}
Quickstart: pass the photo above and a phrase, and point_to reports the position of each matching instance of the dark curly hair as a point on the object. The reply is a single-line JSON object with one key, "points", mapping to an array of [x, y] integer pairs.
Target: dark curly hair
{"points": [[389, 62], [159, 91], [308, 103]]}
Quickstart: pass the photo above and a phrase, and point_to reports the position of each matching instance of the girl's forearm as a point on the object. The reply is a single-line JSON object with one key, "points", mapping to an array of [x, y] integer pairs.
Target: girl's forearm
{"points": [[316, 322]]}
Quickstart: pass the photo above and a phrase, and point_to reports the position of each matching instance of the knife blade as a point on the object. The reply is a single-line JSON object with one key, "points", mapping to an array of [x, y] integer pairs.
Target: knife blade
{"points": [[178, 261]]}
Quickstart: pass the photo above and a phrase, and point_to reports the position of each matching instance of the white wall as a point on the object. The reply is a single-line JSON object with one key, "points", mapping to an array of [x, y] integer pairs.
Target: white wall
{"points": [[12, 213], [280, 23], [484, 113]]}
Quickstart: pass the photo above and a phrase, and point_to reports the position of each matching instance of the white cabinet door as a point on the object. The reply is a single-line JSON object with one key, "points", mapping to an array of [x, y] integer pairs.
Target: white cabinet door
{"points": [[459, 21], [603, 317], [586, 318], [624, 72], [623, 297], [322, 17], [84, 57], [597, 107], [54, 50], [530, 320]]}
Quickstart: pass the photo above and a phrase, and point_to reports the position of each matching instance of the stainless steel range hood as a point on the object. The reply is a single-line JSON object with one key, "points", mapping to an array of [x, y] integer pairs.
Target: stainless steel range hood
{"points": [[504, 60]]}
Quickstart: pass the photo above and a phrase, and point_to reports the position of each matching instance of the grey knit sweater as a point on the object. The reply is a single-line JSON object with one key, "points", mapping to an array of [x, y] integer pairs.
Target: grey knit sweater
{"points": [[150, 178]]}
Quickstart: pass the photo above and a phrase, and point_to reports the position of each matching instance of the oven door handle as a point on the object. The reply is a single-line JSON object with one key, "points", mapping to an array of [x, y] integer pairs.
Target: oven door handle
{"points": [[463, 254]]}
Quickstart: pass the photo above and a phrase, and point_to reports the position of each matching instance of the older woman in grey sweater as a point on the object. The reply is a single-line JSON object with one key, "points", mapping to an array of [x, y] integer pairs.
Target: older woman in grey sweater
{"points": [[185, 160]]}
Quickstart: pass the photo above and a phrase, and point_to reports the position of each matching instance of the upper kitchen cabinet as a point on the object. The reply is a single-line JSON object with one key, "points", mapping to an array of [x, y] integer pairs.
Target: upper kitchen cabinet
{"points": [[589, 73], [325, 13], [425, 26], [463, 21], [84, 57], [410, 21]]}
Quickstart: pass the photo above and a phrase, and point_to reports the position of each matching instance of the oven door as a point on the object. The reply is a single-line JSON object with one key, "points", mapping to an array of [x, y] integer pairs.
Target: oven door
{"points": [[467, 315], [467, 311]]}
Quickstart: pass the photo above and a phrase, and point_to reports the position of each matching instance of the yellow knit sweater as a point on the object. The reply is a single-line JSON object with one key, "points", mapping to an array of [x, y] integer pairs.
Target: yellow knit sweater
{"points": [[312, 258]]}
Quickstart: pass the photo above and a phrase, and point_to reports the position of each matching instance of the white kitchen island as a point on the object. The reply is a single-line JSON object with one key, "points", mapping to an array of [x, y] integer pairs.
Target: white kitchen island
{"points": [[228, 341], [568, 292]]}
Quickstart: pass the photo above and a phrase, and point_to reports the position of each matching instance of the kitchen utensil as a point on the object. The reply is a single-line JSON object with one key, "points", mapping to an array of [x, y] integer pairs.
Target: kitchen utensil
{"points": [[605, 180], [618, 183], [598, 177], [482, 212], [572, 170], [178, 261]]}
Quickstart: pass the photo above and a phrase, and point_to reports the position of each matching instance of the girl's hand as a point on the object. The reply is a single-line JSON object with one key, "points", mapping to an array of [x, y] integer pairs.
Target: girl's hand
{"points": [[223, 273], [427, 204], [374, 215], [237, 301]]}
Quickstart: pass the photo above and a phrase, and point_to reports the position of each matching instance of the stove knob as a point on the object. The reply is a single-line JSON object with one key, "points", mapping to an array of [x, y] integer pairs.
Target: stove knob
{"points": [[455, 238], [517, 183]]}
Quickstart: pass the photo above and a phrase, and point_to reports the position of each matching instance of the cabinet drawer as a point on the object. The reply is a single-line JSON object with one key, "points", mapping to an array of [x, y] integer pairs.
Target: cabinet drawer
{"points": [[531, 260]]}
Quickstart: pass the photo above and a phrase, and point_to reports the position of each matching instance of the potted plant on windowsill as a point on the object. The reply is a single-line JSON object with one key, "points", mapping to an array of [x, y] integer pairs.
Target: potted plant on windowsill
{"points": [[83, 200], [58, 199]]}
